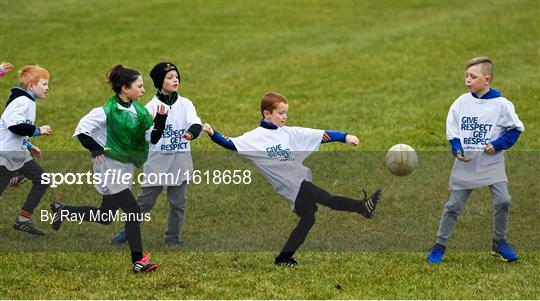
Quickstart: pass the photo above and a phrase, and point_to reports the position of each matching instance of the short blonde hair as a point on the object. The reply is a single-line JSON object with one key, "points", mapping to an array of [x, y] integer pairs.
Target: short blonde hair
{"points": [[486, 65], [32, 74], [270, 101]]}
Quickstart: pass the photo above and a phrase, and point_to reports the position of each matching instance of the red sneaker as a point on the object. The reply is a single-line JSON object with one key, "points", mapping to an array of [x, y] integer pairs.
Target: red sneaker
{"points": [[143, 265], [17, 181]]}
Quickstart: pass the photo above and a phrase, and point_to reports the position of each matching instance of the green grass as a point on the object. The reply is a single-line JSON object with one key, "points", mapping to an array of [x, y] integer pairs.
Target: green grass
{"points": [[189, 275], [385, 71]]}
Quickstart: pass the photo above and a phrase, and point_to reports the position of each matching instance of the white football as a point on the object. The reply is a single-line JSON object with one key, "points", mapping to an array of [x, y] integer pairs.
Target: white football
{"points": [[401, 159]]}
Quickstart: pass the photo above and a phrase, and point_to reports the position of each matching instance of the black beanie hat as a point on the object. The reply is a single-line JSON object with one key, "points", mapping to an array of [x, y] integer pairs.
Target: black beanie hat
{"points": [[160, 70]]}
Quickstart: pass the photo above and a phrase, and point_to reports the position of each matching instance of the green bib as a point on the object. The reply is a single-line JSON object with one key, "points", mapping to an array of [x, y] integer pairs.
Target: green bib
{"points": [[126, 132]]}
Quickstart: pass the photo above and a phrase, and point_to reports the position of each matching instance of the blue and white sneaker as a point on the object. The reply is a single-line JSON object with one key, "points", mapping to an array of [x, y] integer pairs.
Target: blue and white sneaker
{"points": [[119, 238], [436, 254], [503, 250]]}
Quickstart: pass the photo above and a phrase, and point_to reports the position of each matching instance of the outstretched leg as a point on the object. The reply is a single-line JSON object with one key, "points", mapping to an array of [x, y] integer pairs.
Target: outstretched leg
{"points": [[365, 207]]}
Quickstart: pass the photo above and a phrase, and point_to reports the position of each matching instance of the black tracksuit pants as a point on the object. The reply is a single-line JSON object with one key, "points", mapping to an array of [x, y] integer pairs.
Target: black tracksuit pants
{"points": [[305, 206], [33, 171], [109, 205]]}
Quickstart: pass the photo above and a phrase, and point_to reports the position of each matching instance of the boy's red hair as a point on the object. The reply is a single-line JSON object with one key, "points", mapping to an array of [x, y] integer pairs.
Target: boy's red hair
{"points": [[271, 100], [32, 74]]}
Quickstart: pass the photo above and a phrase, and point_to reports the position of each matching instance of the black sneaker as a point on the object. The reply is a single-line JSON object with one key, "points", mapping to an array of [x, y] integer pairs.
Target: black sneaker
{"points": [[27, 227], [369, 204], [288, 262], [56, 219]]}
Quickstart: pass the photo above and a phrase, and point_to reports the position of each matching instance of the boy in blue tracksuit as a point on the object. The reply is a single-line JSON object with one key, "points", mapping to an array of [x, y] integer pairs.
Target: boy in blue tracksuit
{"points": [[480, 126]]}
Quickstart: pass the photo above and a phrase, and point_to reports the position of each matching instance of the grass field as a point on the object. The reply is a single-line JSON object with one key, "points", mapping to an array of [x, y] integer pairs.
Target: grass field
{"points": [[385, 71]]}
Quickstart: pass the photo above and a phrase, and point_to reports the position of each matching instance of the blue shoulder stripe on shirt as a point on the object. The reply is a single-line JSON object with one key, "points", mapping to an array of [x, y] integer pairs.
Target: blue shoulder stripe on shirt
{"points": [[333, 136]]}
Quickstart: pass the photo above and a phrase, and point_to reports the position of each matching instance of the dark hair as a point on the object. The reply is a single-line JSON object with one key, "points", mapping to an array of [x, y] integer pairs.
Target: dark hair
{"points": [[120, 76]]}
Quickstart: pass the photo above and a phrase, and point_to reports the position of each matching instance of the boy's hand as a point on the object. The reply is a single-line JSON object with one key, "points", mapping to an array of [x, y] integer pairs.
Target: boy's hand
{"points": [[208, 129], [45, 130], [35, 152], [6, 67], [490, 149], [462, 158], [98, 159], [352, 140], [187, 136], [162, 110]]}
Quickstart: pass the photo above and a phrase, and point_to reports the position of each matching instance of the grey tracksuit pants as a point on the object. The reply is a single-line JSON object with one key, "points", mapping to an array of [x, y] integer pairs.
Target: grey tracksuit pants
{"points": [[456, 203], [177, 205]]}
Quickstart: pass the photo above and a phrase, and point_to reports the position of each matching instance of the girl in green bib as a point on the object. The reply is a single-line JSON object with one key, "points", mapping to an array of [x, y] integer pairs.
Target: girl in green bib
{"points": [[117, 135]]}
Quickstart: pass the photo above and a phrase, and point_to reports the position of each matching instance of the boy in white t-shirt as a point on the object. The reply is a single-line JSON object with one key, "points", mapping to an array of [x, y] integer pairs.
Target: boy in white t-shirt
{"points": [[171, 155], [16, 152], [480, 126], [278, 152]]}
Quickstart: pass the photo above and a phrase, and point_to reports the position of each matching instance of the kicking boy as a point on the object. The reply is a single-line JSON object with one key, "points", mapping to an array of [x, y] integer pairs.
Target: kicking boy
{"points": [[480, 126], [171, 154], [278, 152], [16, 151]]}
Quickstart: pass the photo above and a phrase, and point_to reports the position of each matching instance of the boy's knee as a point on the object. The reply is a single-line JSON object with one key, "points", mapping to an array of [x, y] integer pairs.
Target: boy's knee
{"points": [[38, 184], [177, 203], [453, 208], [145, 206], [308, 219], [177, 207], [502, 202]]}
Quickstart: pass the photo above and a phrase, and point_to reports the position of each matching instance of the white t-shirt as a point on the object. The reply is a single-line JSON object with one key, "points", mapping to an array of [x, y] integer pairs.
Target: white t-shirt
{"points": [[477, 122], [13, 152], [278, 154], [94, 124], [171, 154]]}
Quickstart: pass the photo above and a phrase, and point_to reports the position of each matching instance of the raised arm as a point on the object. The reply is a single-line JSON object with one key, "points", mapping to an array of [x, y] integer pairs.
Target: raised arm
{"points": [[218, 138], [159, 124]]}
